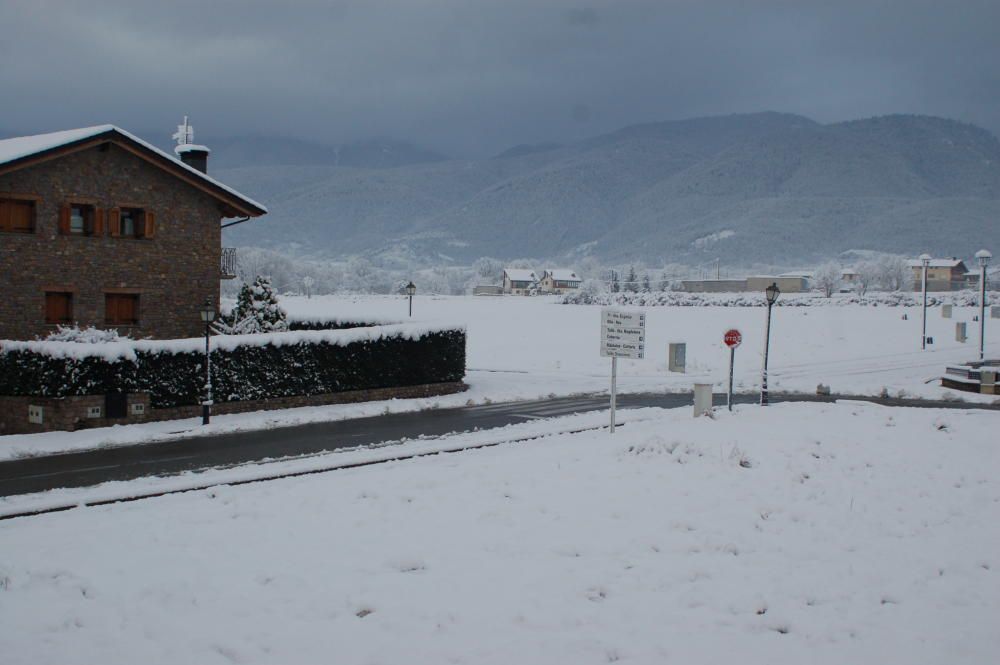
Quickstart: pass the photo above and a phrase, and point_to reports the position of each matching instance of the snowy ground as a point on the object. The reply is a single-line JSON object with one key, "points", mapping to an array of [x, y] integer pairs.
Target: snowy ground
{"points": [[524, 348], [854, 349], [841, 533]]}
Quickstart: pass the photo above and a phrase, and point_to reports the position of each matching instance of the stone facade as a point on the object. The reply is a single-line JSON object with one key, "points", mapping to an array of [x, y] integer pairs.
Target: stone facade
{"points": [[173, 272], [73, 413]]}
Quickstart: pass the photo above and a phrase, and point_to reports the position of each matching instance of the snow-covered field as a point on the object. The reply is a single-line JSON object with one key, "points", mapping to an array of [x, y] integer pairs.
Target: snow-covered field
{"points": [[801, 533], [854, 349], [525, 348]]}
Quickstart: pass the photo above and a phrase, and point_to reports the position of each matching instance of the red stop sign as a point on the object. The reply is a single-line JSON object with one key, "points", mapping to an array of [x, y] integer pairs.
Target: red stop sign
{"points": [[733, 338]]}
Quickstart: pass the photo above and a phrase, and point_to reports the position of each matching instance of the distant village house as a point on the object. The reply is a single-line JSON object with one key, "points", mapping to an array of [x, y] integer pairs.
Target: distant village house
{"points": [[942, 274], [558, 280], [519, 281]]}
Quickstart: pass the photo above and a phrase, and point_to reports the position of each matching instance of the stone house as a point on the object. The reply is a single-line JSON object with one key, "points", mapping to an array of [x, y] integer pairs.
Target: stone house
{"points": [[100, 228], [558, 280], [519, 281]]}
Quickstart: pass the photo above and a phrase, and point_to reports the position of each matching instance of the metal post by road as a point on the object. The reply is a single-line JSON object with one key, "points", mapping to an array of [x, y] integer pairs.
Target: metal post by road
{"points": [[411, 306], [923, 338], [982, 312], [614, 390], [206, 408], [767, 343], [732, 359]]}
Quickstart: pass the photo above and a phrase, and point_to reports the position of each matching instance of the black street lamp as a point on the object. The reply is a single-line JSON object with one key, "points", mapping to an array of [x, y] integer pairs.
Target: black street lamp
{"points": [[925, 261], [410, 290], [983, 256], [207, 316], [771, 293]]}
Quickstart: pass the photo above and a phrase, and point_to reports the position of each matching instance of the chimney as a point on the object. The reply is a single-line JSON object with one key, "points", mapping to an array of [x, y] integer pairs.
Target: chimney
{"points": [[195, 156]]}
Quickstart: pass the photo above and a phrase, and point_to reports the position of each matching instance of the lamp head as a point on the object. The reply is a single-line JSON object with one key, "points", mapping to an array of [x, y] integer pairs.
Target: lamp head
{"points": [[772, 292], [925, 259], [411, 289], [208, 311], [984, 256]]}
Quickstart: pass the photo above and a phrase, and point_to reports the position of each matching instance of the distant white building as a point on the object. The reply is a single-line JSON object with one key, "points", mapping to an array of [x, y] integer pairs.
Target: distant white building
{"points": [[558, 280], [519, 281]]}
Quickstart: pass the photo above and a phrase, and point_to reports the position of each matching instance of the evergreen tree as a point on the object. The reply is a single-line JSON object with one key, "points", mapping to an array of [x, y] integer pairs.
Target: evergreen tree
{"points": [[615, 285], [632, 281], [257, 310], [646, 285]]}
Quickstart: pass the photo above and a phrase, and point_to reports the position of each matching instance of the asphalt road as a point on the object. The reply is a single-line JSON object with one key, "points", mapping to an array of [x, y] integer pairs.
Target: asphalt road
{"points": [[221, 450]]}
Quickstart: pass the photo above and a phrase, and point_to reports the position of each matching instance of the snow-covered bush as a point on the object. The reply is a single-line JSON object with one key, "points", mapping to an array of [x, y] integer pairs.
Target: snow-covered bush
{"points": [[591, 292], [88, 335], [684, 299]]}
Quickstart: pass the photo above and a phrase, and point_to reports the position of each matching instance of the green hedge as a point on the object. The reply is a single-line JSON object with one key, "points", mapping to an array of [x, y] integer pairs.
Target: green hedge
{"points": [[281, 365]]}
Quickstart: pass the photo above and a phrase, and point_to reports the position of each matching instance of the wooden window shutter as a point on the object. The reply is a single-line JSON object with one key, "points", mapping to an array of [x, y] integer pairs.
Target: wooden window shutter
{"points": [[58, 308], [64, 212], [51, 308], [150, 224], [110, 308], [5, 213], [98, 222], [131, 309], [115, 221], [22, 216]]}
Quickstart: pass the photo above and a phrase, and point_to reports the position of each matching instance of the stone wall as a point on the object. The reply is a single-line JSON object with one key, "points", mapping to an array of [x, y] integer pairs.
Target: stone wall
{"points": [[173, 272], [73, 413]]}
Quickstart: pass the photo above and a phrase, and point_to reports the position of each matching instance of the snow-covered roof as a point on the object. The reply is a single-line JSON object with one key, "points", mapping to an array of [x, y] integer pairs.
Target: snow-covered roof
{"points": [[935, 263], [21, 147], [562, 275], [520, 275], [805, 274]]}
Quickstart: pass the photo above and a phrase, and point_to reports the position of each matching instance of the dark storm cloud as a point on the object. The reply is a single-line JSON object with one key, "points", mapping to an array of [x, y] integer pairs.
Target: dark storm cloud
{"points": [[478, 76]]}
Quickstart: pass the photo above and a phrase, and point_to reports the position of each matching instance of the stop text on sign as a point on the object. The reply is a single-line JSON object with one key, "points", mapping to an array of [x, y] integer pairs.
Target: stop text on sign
{"points": [[733, 338]]}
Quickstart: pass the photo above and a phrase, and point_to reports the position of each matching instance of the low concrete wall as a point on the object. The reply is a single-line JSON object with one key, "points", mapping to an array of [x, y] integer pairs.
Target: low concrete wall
{"points": [[71, 413]]}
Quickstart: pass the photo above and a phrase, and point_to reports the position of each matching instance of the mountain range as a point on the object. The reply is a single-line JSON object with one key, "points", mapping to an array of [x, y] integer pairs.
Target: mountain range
{"points": [[752, 188]]}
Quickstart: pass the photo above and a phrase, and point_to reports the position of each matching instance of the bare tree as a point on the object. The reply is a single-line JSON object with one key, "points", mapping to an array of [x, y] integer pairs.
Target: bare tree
{"points": [[894, 273], [868, 275], [827, 278]]}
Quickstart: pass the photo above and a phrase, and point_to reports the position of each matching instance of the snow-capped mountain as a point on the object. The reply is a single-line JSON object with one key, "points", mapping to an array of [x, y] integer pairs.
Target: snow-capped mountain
{"points": [[751, 187]]}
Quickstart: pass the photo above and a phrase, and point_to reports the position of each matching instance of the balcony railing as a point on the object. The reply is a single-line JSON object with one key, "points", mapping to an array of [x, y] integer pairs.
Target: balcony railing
{"points": [[228, 268]]}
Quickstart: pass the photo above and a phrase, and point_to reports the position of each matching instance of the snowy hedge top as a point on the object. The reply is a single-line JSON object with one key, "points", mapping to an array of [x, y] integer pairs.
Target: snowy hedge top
{"points": [[341, 320], [127, 349]]}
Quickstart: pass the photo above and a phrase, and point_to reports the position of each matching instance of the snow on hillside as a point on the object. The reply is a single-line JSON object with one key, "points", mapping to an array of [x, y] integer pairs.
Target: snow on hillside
{"points": [[799, 533], [787, 188]]}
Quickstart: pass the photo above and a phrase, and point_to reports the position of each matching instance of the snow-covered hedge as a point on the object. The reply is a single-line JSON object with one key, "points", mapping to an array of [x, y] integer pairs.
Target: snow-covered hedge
{"points": [[682, 299], [244, 367]]}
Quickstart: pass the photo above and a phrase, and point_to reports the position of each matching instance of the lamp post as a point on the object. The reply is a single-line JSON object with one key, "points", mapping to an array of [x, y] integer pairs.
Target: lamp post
{"points": [[207, 316], [410, 290], [771, 293], [925, 261], [983, 256]]}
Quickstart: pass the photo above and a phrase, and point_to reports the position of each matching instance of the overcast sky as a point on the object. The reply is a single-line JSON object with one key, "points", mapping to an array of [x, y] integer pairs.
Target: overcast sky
{"points": [[475, 77]]}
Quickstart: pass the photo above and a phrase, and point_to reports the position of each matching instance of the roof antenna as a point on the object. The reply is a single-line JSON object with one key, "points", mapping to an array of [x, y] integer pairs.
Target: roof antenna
{"points": [[184, 134], [195, 156]]}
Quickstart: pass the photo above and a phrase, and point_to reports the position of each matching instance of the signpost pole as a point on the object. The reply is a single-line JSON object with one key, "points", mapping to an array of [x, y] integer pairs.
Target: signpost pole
{"points": [[732, 358], [732, 339], [614, 390]]}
